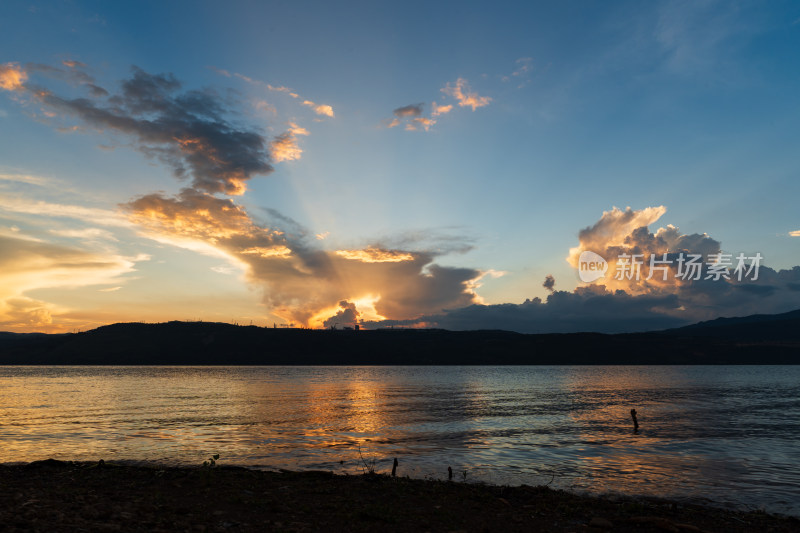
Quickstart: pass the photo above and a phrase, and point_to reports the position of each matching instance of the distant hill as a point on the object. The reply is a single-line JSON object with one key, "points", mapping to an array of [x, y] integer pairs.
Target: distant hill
{"points": [[764, 328], [758, 339]]}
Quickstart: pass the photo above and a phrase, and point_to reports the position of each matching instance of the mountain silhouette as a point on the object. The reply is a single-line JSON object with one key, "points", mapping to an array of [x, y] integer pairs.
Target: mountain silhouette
{"points": [[756, 339]]}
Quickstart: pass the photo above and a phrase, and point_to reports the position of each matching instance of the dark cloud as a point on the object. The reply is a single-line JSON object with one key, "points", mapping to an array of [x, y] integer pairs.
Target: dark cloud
{"points": [[549, 282], [347, 316], [563, 312], [411, 110], [183, 129], [96, 91]]}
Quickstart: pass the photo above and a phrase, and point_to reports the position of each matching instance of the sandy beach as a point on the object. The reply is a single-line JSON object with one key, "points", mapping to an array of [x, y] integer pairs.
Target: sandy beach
{"points": [[69, 496]]}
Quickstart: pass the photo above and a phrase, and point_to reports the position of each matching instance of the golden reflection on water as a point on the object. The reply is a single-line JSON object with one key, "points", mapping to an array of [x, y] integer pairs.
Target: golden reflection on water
{"points": [[608, 441], [701, 432]]}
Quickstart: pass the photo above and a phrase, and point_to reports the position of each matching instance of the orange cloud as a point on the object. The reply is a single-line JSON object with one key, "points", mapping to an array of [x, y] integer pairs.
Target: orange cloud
{"points": [[284, 147], [466, 98], [27, 265], [375, 255], [626, 231], [12, 77], [440, 109], [322, 109]]}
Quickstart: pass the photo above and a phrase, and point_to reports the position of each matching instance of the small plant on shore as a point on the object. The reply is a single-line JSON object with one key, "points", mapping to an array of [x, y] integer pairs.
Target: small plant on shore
{"points": [[211, 462], [368, 467]]}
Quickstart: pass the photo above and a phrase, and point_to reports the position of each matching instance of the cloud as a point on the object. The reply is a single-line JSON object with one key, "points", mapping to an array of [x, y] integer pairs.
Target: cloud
{"points": [[411, 110], [30, 265], [263, 105], [282, 89], [186, 130], [300, 282], [461, 91], [85, 234], [92, 215], [284, 147], [375, 255], [562, 312], [73, 64], [621, 232], [12, 77], [412, 115], [26, 178], [420, 122], [324, 110], [613, 306], [794, 233], [74, 75], [521, 75], [440, 109], [346, 317]]}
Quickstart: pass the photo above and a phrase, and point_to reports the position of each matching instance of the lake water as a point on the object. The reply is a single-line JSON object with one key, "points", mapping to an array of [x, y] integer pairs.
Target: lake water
{"points": [[727, 434]]}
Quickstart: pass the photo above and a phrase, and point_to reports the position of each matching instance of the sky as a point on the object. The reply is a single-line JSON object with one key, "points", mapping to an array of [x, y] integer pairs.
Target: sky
{"points": [[323, 164]]}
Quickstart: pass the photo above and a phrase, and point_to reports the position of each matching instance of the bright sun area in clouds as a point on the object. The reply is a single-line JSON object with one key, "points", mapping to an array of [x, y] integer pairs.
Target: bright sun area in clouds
{"points": [[432, 166]]}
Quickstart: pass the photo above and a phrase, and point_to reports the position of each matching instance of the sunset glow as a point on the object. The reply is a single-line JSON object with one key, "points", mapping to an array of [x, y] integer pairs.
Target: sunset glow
{"points": [[451, 180]]}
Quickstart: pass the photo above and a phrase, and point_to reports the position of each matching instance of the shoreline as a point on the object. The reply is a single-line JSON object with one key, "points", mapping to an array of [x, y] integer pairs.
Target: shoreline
{"points": [[70, 496]]}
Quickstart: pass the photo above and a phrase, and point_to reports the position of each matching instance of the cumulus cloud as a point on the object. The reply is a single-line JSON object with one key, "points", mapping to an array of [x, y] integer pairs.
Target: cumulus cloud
{"points": [[284, 147], [185, 129], [347, 316], [625, 233], [460, 90], [613, 306]]}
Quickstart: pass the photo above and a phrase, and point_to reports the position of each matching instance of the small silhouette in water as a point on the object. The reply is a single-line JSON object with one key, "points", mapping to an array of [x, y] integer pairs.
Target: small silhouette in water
{"points": [[394, 467], [635, 422], [450, 473]]}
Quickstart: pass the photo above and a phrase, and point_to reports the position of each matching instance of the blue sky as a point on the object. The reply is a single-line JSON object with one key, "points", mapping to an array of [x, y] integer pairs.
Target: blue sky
{"points": [[587, 106]]}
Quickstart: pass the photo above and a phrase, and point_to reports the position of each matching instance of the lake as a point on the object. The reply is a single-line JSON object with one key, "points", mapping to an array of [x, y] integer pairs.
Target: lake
{"points": [[730, 435]]}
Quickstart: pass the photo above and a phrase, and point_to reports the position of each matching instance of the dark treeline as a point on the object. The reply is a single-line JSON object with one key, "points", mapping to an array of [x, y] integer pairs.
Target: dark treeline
{"points": [[759, 339]]}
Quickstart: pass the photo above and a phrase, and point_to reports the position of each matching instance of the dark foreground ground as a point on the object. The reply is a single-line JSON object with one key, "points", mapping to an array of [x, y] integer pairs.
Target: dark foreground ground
{"points": [[59, 496]]}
